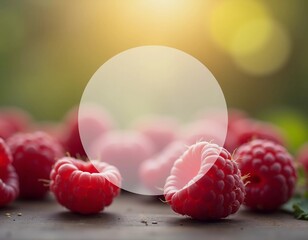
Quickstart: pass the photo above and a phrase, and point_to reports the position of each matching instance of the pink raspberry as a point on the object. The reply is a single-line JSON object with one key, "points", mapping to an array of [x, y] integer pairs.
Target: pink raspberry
{"points": [[92, 124], [205, 183], [271, 176], [154, 171], [160, 130], [204, 130], [84, 187], [33, 156], [9, 188], [126, 151]]}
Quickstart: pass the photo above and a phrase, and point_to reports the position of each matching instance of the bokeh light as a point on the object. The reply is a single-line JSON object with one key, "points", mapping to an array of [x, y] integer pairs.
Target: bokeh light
{"points": [[261, 47], [257, 43], [228, 17], [50, 49]]}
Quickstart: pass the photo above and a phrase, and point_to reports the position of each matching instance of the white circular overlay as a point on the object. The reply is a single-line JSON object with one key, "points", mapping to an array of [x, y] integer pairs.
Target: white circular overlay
{"points": [[147, 81]]}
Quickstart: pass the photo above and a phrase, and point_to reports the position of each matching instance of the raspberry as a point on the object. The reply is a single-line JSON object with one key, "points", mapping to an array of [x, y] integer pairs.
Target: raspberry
{"points": [[84, 187], [245, 130], [204, 130], [160, 130], [13, 120], [234, 116], [93, 123], [5, 154], [154, 171], [9, 188], [53, 129], [126, 151], [5, 129], [302, 157], [33, 156], [271, 176], [205, 183]]}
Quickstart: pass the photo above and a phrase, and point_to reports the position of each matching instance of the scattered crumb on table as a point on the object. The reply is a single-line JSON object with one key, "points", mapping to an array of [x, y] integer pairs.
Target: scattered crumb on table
{"points": [[145, 222]]}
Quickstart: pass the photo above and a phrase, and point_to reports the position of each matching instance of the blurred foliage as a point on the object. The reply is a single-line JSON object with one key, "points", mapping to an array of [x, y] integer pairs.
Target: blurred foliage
{"points": [[298, 206], [50, 49], [292, 123]]}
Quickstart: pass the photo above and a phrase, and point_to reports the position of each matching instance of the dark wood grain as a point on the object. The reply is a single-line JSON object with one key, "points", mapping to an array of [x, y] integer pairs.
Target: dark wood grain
{"points": [[135, 217]]}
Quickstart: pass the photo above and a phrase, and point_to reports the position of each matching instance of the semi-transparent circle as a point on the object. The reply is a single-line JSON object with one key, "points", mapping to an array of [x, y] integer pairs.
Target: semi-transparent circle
{"points": [[151, 80]]}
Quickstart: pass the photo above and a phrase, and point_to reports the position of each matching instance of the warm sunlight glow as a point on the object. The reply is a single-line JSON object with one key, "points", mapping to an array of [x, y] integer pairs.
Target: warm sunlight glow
{"points": [[271, 47], [246, 30], [228, 17], [163, 4]]}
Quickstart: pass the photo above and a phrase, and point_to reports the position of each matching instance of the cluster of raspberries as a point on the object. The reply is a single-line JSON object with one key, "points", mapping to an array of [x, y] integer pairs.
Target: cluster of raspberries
{"points": [[200, 179], [31, 163]]}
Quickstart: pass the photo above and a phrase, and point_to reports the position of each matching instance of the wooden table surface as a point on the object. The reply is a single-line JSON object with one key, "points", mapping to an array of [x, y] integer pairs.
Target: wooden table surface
{"points": [[135, 217]]}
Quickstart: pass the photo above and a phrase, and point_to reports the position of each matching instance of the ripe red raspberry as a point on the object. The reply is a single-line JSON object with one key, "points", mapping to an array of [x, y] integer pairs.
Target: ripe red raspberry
{"points": [[271, 176], [234, 116], [302, 157], [205, 183], [5, 154], [154, 171], [244, 130], [33, 156], [9, 188], [92, 124], [84, 187], [53, 129]]}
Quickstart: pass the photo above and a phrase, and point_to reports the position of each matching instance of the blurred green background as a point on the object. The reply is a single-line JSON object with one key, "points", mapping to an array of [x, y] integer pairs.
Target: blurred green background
{"points": [[257, 50]]}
